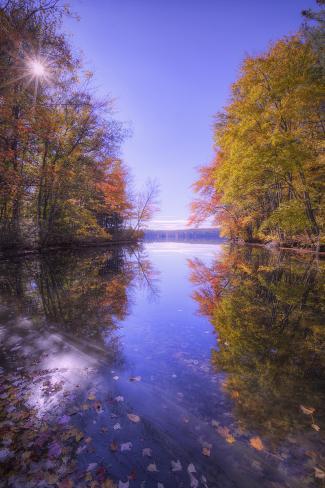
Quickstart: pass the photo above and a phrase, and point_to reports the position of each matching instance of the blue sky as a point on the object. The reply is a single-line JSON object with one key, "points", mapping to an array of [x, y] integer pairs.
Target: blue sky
{"points": [[169, 65]]}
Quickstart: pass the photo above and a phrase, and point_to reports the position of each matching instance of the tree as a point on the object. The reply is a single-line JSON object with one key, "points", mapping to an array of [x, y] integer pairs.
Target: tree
{"points": [[269, 170], [146, 205], [61, 177]]}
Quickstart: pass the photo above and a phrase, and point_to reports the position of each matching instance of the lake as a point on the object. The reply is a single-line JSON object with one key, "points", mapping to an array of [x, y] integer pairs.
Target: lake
{"points": [[169, 365]]}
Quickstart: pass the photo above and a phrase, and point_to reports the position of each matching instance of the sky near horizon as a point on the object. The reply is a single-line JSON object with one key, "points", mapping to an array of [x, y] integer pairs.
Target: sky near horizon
{"points": [[169, 65]]}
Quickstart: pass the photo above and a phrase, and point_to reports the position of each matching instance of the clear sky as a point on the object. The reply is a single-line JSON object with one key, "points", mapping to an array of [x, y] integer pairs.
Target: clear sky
{"points": [[169, 65]]}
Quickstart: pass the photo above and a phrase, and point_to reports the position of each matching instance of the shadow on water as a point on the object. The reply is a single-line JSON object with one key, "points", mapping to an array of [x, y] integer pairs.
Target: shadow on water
{"points": [[108, 374]]}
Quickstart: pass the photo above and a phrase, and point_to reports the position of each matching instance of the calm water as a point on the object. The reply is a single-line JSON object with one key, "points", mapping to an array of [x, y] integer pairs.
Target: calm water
{"points": [[177, 365]]}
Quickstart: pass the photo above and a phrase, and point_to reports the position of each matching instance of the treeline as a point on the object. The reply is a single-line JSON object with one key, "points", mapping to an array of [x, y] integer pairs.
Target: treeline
{"points": [[61, 178], [266, 181]]}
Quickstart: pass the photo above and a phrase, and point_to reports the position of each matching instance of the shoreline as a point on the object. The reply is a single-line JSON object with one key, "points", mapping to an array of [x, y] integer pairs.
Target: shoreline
{"points": [[7, 254]]}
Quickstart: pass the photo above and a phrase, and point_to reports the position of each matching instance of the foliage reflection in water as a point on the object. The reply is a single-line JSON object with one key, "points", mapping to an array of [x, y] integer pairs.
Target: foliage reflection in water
{"points": [[109, 376]]}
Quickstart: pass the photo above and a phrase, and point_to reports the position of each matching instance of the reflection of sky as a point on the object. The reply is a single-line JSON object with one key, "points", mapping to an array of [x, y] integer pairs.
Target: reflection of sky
{"points": [[187, 249]]}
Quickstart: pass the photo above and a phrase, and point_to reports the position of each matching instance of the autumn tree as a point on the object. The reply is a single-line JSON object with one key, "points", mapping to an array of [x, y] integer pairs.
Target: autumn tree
{"points": [[268, 174], [61, 177]]}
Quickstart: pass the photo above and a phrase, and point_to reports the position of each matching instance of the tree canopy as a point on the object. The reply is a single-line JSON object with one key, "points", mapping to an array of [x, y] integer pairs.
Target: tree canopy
{"points": [[267, 179], [61, 177]]}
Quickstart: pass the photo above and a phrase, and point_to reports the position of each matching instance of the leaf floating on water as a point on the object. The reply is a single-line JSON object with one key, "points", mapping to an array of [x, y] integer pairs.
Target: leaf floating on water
{"points": [[307, 410], [152, 468], [191, 468], [319, 473], [122, 484], [225, 433], [206, 451], [257, 443], [134, 418], [119, 398], [117, 426], [115, 378], [126, 446], [316, 427], [146, 452], [135, 378], [176, 465]]}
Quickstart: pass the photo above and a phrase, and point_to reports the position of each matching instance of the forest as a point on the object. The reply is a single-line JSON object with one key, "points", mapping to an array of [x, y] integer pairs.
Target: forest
{"points": [[266, 180], [61, 177]]}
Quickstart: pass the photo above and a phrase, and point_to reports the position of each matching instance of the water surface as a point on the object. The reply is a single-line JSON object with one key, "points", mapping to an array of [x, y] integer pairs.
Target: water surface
{"points": [[176, 365]]}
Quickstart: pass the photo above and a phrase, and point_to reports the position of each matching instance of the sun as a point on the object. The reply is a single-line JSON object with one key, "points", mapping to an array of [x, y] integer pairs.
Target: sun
{"points": [[37, 68]]}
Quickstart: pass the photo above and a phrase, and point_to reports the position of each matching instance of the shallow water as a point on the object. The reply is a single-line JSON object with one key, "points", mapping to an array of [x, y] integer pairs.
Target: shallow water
{"points": [[176, 365]]}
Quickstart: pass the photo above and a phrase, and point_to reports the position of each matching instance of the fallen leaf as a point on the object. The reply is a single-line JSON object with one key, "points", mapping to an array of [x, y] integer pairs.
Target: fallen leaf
{"points": [[126, 446], [315, 427], [191, 468], [114, 446], [54, 450], [98, 407], [91, 466], [66, 484], [307, 410], [152, 468], [134, 418], [206, 451], [122, 484], [146, 452], [117, 426], [135, 378], [119, 398], [108, 484], [176, 465], [215, 423], [194, 483], [225, 433], [52, 478], [115, 378], [91, 396], [319, 473], [257, 443]]}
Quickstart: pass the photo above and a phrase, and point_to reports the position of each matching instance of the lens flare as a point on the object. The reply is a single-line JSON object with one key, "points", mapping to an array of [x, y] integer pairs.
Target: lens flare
{"points": [[37, 68]]}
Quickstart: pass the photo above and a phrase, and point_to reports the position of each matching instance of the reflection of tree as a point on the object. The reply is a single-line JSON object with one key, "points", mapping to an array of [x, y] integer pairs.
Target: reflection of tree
{"points": [[267, 310], [82, 295]]}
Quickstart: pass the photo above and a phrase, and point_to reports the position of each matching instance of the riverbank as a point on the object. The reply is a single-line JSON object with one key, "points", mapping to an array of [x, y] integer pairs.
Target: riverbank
{"points": [[120, 240]]}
